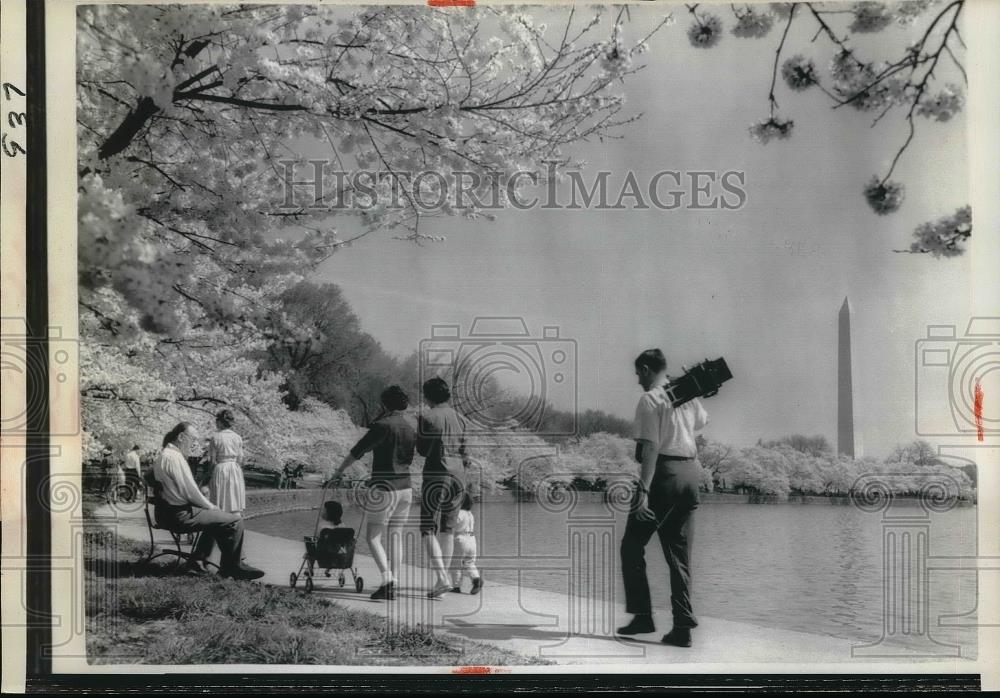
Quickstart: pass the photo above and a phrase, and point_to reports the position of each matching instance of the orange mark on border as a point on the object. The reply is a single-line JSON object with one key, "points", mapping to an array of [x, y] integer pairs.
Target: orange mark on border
{"points": [[451, 3], [977, 408], [473, 670]]}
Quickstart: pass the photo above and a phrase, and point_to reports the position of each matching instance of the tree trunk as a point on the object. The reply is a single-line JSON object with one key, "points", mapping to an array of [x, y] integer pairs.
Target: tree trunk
{"points": [[128, 128]]}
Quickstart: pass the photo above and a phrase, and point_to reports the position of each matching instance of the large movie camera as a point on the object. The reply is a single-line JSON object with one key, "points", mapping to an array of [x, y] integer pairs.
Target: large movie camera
{"points": [[702, 380]]}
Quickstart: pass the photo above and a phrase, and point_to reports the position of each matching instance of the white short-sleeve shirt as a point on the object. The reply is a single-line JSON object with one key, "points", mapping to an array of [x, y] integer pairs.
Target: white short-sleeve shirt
{"points": [[465, 524], [671, 428], [132, 461]]}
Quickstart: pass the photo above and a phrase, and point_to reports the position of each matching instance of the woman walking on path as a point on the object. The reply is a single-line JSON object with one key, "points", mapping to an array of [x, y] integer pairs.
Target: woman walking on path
{"points": [[227, 488], [441, 441], [391, 438]]}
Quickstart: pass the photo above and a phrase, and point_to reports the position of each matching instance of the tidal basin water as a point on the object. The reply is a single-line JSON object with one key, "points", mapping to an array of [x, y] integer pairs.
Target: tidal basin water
{"points": [[816, 568]]}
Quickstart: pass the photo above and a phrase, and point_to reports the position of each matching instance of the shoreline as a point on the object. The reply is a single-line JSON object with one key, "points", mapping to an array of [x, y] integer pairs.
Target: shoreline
{"points": [[546, 625], [263, 502]]}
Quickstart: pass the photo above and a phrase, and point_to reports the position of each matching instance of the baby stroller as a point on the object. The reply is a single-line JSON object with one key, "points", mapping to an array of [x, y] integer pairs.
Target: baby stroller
{"points": [[329, 549]]}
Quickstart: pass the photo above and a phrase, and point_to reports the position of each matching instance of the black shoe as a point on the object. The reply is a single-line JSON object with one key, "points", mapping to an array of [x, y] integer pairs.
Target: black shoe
{"points": [[678, 637], [456, 590], [477, 585], [638, 625], [386, 592], [242, 572]]}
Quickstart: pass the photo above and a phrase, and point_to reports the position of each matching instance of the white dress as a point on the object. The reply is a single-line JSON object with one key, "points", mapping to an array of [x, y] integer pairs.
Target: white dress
{"points": [[227, 488]]}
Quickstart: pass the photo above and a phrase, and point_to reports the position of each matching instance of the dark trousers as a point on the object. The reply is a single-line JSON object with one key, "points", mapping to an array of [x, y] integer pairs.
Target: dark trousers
{"points": [[673, 497], [134, 482], [217, 528], [440, 501]]}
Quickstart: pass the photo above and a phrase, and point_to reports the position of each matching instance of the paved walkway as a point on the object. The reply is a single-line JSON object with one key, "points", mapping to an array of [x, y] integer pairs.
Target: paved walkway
{"points": [[562, 628]]}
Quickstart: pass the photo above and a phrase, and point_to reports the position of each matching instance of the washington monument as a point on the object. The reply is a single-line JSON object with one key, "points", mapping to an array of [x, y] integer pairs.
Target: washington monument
{"points": [[846, 441]]}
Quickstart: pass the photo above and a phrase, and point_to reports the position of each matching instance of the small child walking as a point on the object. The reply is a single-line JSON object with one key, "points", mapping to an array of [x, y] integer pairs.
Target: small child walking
{"points": [[465, 549]]}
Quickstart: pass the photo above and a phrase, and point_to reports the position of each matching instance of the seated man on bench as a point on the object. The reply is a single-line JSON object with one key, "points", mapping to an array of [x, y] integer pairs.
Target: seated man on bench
{"points": [[181, 507]]}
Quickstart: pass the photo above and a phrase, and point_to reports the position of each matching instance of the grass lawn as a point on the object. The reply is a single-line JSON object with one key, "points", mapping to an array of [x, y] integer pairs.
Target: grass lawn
{"points": [[154, 615]]}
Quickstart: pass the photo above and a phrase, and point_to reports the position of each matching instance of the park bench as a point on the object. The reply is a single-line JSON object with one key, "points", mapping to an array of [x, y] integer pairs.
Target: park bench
{"points": [[262, 478], [284, 479], [151, 491]]}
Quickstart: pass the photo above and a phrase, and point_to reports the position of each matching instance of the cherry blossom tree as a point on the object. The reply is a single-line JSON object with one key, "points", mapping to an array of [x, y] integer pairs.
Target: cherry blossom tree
{"points": [[914, 85], [713, 457], [318, 436], [189, 119], [135, 392], [919, 452], [837, 473]]}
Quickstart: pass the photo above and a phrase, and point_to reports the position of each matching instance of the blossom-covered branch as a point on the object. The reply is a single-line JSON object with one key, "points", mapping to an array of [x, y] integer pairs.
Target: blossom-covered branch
{"points": [[907, 82], [187, 115]]}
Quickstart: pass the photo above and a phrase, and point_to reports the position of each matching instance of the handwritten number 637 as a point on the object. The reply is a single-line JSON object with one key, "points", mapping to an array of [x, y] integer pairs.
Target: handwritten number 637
{"points": [[15, 119]]}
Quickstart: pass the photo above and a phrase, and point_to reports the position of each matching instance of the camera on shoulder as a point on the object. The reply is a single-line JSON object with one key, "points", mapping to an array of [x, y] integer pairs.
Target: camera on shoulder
{"points": [[702, 380]]}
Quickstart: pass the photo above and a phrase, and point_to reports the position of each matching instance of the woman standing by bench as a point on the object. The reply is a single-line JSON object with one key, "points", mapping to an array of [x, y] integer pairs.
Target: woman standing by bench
{"points": [[227, 487]]}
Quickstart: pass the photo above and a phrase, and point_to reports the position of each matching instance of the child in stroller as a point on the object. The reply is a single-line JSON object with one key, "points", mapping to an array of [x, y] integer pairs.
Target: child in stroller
{"points": [[331, 548], [335, 543], [333, 514]]}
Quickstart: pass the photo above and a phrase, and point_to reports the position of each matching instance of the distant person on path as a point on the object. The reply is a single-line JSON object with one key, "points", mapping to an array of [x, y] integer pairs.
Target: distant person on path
{"points": [[664, 502], [227, 487], [441, 440], [181, 507], [133, 471], [392, 439], [112, 474], [464, 557]]}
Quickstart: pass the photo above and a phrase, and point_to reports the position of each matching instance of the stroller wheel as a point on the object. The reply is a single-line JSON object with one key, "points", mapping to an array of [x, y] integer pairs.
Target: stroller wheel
{"points": [[309, 584], [292, 579], [340, 579], [359, 584]]}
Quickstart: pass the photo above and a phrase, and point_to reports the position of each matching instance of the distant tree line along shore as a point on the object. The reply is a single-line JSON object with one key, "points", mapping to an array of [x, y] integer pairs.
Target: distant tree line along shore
{"points": [[332, 373]]}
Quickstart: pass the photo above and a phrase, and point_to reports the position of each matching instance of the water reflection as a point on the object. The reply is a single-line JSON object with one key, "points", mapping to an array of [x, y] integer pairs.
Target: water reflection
{"points": [[855, 566], [814, 568]]}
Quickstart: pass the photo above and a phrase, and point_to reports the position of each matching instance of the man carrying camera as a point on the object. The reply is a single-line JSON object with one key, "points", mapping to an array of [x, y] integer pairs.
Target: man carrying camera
{"points": [[665, 498]]}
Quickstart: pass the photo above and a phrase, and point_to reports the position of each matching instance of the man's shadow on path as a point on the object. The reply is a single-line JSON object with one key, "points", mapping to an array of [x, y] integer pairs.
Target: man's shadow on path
{"points": [[520, 631], [482, 631]]}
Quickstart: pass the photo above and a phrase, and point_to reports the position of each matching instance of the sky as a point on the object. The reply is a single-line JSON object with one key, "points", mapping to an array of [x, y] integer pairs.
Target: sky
{"points": [[760, 286]]}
